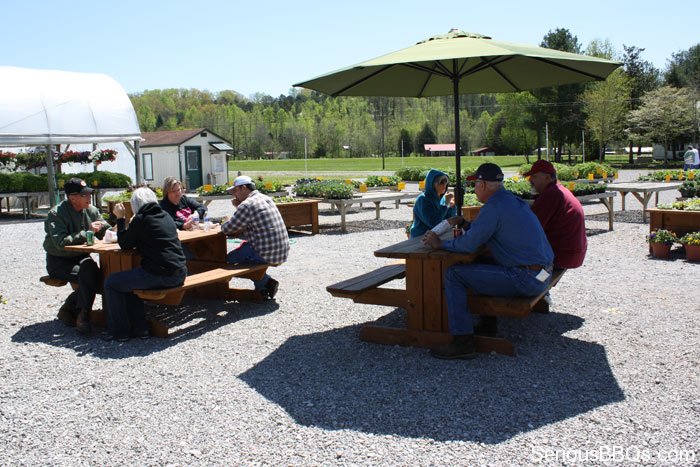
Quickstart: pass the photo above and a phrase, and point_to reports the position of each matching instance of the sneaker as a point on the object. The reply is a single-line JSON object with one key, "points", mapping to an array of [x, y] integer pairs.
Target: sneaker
{"points": [[487, 326], [462, 347], [270, 289], [67, 314], [82, 324]]}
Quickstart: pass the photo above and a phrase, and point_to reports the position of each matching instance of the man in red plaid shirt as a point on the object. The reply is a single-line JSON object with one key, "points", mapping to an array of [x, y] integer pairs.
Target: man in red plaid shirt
{"points": [[259, 223]]}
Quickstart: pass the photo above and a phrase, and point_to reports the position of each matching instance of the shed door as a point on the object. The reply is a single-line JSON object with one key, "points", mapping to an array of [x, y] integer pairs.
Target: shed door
{"points": [[193, 166]]}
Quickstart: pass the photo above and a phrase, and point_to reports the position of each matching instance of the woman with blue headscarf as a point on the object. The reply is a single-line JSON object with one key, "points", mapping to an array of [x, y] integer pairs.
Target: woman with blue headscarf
{"points": [[433, 205]]}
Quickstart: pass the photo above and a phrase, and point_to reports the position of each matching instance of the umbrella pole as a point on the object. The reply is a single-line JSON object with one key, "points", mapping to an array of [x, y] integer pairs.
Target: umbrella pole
{"points": [[459, 193]]}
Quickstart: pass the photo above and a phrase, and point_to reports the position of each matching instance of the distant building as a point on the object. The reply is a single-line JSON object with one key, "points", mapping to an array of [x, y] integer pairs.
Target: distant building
{"points": [[197, 157], [485, 151], [439, 149]]}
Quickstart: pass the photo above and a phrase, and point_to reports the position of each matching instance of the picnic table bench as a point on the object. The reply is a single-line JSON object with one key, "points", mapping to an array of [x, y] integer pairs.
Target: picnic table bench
{"points": [[341, 205], [424, 301]]}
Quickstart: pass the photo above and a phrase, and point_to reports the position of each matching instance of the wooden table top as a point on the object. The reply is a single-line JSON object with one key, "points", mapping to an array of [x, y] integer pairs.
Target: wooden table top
{"points": [[185, 236], [413, 248], [643, 187]]}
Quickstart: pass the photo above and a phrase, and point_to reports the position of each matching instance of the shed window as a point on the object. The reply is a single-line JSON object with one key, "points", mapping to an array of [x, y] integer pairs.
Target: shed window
{"points": [[147, 159]]}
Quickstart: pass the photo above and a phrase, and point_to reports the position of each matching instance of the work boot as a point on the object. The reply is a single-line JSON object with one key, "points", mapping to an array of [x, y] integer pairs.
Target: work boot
{"points": [[67, 314], [82, 324], [270, 289], [487, 326], [461, 347]]}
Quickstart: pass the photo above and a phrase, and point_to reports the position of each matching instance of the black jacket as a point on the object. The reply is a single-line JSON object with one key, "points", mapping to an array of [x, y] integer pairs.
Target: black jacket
{"points": [[185, 208], [154, 236]]}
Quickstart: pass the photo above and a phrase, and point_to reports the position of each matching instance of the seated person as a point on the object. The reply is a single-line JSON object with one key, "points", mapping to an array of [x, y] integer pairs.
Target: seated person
{"points": [[179, 206], [561, 216], [522, 258], [433, 205], [154, 236], [68, 224], [258, 221]]}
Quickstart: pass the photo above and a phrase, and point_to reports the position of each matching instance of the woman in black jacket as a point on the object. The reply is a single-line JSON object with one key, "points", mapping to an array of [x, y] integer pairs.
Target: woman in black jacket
{"points": [[179, 206], [154, 236]]}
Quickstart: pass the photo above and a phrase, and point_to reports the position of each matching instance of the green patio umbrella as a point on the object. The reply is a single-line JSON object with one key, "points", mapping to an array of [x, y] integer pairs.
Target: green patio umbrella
{"points": [[461, 63]]}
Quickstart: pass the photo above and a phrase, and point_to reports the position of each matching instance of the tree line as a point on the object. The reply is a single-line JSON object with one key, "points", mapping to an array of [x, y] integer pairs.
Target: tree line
{"points": [[637, 105]]}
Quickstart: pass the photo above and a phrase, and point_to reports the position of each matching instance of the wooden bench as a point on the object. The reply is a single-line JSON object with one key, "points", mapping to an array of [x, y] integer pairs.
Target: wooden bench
{"points": [[216, 277], [365, 288], [173, 295]]}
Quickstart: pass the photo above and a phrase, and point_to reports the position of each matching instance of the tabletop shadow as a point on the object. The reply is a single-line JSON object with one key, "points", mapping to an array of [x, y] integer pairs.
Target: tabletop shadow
{"points": [[334, 381], [191, 319]]}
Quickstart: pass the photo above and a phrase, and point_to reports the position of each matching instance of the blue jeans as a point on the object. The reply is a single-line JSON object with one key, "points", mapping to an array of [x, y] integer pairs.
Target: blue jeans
{"points": [[245, 254], [691, 166], [125, 311], [485, 279]]}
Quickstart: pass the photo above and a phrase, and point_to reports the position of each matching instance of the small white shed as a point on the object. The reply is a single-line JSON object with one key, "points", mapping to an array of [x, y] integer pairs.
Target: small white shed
{"points": [[197, 157]]}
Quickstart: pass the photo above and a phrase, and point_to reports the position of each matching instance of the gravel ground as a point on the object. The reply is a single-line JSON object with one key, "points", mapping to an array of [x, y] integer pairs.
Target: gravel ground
{"points": [[610, 375]]}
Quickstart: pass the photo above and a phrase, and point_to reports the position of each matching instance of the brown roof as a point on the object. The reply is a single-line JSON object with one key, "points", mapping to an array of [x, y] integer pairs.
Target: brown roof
{"points": [[169, 138]]}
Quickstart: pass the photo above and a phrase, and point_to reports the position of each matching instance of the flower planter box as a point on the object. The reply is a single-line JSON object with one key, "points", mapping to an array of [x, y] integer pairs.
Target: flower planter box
{"points": [[300, 213], [470, 212], [679, 222]]}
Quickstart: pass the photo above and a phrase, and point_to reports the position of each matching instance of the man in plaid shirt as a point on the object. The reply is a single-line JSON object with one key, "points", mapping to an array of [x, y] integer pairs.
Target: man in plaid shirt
{"points": [[257, 221]]}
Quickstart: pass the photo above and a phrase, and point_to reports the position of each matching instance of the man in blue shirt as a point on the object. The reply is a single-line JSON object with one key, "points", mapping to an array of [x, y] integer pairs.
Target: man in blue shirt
{"points": [[522, 258]]}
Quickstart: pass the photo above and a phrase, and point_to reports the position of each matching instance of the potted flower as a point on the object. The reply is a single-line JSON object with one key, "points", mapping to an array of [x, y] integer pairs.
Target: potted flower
{"points": [[660, 242], [691, 244]]}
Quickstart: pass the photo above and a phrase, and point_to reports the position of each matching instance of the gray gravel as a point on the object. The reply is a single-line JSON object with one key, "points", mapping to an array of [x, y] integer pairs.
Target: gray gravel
{"points": [[612, 371]]}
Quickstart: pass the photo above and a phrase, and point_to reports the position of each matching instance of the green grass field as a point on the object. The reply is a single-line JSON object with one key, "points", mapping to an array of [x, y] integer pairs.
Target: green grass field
{"points": [[366, 165]]}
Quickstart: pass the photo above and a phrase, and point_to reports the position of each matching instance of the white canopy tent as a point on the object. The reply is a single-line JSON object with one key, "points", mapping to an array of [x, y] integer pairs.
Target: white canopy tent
{"points": [[50, 107]]}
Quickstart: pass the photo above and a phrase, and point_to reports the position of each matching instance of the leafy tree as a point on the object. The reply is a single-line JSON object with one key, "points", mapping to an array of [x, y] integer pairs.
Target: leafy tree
{"points": [[666, 115], [561, 113], [518, 135], [684, 69], [405, 142], [601, 48], [606, 104], [426, 136]]}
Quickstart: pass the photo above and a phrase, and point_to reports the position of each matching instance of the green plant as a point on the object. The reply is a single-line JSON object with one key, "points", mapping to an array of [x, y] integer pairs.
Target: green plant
{"points": [[329, 189], [691, 238], [662, 236], [212, 190], [692, 204], [374, 180], [690, 188], [285, 199], [470, 199], [267, 186]]}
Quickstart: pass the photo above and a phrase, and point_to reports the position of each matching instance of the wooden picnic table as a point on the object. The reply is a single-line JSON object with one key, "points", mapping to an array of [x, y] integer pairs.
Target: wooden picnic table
{"points": [[424, 300], [643, 192], [341, 205], [209, 251], [26, 198]]}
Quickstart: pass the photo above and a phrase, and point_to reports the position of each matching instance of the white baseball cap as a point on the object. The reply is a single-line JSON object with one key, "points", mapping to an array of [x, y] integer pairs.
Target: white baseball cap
{"points": [[241, 180]]}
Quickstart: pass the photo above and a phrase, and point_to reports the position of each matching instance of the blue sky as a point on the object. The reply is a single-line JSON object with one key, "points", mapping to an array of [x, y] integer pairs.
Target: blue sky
{"points": [[266, 46]]}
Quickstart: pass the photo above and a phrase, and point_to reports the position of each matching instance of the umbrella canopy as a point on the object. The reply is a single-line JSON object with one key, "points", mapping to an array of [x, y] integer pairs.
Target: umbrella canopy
{"points": [[461, 63]]}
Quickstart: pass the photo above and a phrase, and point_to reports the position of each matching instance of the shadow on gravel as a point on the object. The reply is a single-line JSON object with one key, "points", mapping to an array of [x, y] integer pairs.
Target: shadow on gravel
{"points": [[363, 226], [333, 381], [626, 217], [189, 320], [9, 219]]}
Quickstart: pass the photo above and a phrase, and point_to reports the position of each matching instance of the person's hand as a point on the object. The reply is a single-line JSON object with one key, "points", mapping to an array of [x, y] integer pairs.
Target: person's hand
{"points": [[119, 211], [188, 224], [96, 226], [432, 240], [450, 199]]}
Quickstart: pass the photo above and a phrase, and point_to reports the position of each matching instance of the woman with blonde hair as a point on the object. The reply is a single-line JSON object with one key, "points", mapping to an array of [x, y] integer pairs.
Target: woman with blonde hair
{"points": [[179, 206]]}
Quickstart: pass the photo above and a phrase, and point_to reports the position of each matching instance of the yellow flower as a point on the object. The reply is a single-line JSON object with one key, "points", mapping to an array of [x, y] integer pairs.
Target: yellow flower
{"points": [[268, 185], [207, 188]]}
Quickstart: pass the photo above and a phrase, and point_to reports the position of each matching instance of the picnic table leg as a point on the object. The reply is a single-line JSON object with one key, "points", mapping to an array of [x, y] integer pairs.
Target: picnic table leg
{"points": [[376, 208], [623, 194], [342, 208], [608, 203]]}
